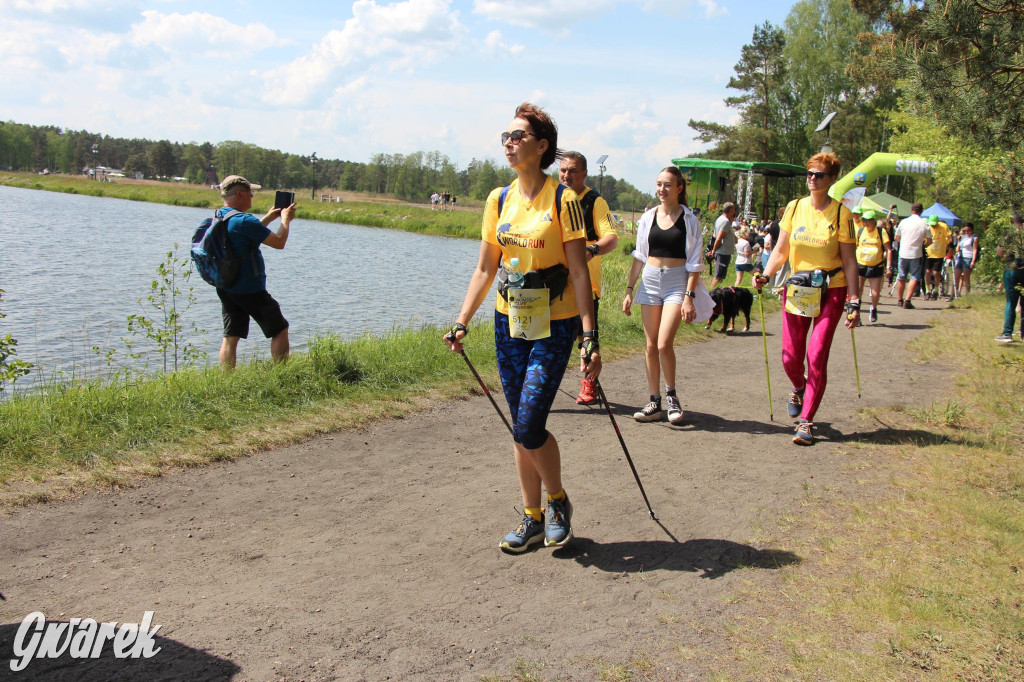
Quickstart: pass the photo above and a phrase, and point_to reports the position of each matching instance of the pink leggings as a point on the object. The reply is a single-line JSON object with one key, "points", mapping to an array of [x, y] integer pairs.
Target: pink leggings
{"points": [[794, 347]]}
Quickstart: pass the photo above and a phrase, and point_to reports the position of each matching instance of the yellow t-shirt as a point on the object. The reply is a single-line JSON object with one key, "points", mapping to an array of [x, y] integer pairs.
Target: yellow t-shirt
{"points": [[941, 234], [534, 232], [870, 247], [814, 237], [603, 227]]}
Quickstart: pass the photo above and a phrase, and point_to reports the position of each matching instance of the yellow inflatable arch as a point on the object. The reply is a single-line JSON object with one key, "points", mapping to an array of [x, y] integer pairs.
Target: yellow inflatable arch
{"points": [[878, 165]]}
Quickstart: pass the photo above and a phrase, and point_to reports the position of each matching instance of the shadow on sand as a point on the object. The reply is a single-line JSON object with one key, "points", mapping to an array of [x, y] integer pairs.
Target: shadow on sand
{"points": [[710, 558]]}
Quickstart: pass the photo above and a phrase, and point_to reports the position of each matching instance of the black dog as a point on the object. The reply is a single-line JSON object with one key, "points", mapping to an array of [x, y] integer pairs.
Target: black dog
{"points": [[729, 301]]}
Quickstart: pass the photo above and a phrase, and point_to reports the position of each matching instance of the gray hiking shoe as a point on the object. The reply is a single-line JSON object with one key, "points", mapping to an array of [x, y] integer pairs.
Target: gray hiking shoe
{"points": [[675, 410], [528, 532], [796, 403], [559, 529]]}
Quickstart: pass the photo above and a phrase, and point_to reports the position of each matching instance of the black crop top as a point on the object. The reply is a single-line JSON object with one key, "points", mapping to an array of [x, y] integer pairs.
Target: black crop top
{"points": [[670, 243]]}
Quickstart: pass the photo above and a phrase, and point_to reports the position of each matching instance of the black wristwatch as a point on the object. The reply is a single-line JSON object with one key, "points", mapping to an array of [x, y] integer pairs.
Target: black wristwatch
{"points": [[691, 294], [594, 249]]}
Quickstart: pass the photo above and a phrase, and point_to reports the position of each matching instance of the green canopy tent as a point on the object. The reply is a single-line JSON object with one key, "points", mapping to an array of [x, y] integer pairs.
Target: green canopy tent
{"points": [[707, 179], [883, 200]]}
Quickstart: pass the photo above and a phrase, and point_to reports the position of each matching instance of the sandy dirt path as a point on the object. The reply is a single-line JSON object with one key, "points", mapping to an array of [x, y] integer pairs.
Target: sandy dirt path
{"points": [[372, 555]]}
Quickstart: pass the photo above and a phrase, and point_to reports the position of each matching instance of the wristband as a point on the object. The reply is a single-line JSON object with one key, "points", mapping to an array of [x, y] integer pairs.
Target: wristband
{"points": [[589, 347], [594, 249], [852, 306], [691, 294], [459, 327]]}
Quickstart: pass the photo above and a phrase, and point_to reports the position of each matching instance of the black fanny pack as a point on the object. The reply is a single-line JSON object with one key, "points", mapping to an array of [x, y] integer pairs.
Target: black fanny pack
{"points": [[803, 278], [554, 279]]}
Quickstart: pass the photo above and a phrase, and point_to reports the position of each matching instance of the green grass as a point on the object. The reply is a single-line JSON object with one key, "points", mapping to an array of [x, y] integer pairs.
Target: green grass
{"points": [[83, 433], [392, 214], [925, 582]]}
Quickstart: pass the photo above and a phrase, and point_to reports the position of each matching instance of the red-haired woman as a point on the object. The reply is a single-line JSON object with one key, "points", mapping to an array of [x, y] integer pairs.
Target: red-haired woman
{"points": [[541, 224], [816, 237], [665, 275]]}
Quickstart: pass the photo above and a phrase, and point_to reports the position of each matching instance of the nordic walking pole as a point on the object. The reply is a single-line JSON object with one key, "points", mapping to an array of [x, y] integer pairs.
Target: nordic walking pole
{"points": [[622, 442], [764, 342], [484, 387], [856, 369]]}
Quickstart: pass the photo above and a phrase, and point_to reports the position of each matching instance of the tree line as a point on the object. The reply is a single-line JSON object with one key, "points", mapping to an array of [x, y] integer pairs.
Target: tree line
{"points": [[939, 79], [413, 176]]}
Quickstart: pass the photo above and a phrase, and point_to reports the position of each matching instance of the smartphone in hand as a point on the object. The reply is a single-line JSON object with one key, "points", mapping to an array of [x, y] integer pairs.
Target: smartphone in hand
{"points": [[283, 200]]}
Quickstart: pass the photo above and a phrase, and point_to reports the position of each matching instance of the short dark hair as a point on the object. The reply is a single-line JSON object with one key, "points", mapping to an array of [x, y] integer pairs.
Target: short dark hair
{"points": [[916, 207], [728, 206], [544, 128], [576, 156]]}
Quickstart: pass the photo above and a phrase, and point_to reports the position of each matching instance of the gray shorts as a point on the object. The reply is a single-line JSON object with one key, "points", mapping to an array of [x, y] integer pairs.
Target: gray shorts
{"points": [[912, 267], [659, 286]]}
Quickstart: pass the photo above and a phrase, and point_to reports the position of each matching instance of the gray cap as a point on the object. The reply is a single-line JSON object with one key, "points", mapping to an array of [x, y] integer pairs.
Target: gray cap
{"points": [[230, 185]]}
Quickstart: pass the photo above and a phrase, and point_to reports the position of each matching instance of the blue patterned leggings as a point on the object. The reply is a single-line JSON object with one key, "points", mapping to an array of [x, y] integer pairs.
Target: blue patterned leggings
{"points": [[531, 372]]}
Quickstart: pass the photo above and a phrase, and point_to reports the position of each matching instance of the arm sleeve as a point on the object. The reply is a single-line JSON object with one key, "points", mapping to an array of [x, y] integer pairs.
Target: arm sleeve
{"points": [[846, 235], [252, 229], [489, 228], [694, 247], [786, 224], [602, 225], [573, 226]]}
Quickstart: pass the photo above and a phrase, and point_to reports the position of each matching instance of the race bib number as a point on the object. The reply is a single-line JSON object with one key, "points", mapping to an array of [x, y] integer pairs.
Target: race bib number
{"points": [[529, 314], [803, 301]]}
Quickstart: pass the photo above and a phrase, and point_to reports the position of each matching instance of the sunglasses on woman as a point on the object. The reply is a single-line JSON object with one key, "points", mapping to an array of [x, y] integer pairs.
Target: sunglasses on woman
{"points": [[816, 174], [516, 136]]}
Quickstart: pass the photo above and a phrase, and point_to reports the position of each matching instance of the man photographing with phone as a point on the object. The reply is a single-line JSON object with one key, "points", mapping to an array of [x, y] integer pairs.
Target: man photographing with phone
{"points": [[247, 296]]}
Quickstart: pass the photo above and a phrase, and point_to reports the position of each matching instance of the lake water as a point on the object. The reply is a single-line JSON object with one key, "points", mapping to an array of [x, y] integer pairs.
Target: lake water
{"points": [[73, 268]]}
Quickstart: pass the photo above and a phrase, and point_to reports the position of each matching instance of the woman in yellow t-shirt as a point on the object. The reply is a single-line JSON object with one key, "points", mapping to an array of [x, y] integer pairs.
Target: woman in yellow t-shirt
{"points": [[816, 235], [541, 224], [874, 258]]}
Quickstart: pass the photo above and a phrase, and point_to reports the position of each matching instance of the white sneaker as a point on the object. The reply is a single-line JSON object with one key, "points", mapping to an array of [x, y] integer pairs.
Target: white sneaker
{"points": [[651, 412], [675, 410]]}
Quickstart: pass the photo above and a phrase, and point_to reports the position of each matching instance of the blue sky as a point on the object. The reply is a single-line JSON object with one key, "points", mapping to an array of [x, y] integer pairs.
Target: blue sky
{"points": [[350, 79]]}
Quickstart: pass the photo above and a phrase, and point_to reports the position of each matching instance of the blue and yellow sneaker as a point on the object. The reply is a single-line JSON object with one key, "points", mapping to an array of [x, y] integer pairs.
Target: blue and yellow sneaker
{"points": [[559, 529], [528, 532]]}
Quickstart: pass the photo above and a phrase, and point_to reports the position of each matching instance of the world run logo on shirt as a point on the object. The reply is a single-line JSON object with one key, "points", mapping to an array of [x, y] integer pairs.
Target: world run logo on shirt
{"points": [[505, 238], [800, 235]]}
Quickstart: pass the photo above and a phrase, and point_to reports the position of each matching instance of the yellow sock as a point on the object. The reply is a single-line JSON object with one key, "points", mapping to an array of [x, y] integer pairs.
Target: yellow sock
{"points": [[536, 513], [557, 497]]}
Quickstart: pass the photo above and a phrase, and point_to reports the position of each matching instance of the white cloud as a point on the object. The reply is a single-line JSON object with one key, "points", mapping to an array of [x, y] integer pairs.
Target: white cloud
{"points": [[712, 9], [494, 43], [676, 7], [544, 15], [402, 35], [182, 33]]}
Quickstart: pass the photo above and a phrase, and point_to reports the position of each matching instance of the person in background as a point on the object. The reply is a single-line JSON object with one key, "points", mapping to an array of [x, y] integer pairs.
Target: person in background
{"points": [[247, 296], [744, 255], [665, 274], [874, 258], [935, 256], [912, 236], [965, 259], [816, 234], [1011, 253], [601, 239], [724, 245], [541, 224]]}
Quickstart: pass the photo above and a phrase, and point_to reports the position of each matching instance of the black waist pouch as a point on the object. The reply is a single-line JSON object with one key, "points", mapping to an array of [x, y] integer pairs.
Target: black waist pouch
{"points": [[554, 279]]}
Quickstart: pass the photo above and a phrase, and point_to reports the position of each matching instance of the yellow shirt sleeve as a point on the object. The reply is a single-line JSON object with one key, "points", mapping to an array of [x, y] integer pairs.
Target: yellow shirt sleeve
{"points": [[602, 221], [573, 226], [489, 229]]}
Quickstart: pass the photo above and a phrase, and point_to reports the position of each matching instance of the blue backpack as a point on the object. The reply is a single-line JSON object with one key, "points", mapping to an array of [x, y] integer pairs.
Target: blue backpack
{"points": [[214, 259]]}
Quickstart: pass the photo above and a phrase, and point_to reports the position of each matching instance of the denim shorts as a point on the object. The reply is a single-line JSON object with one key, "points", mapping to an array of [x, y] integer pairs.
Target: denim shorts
{"points": [[910, 267], [961, 263], [744, 267], [659, 286]]}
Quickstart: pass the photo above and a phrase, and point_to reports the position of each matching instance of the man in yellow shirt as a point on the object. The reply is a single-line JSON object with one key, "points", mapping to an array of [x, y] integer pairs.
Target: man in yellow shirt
{"points": [[601, 239], [935, 256]]}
